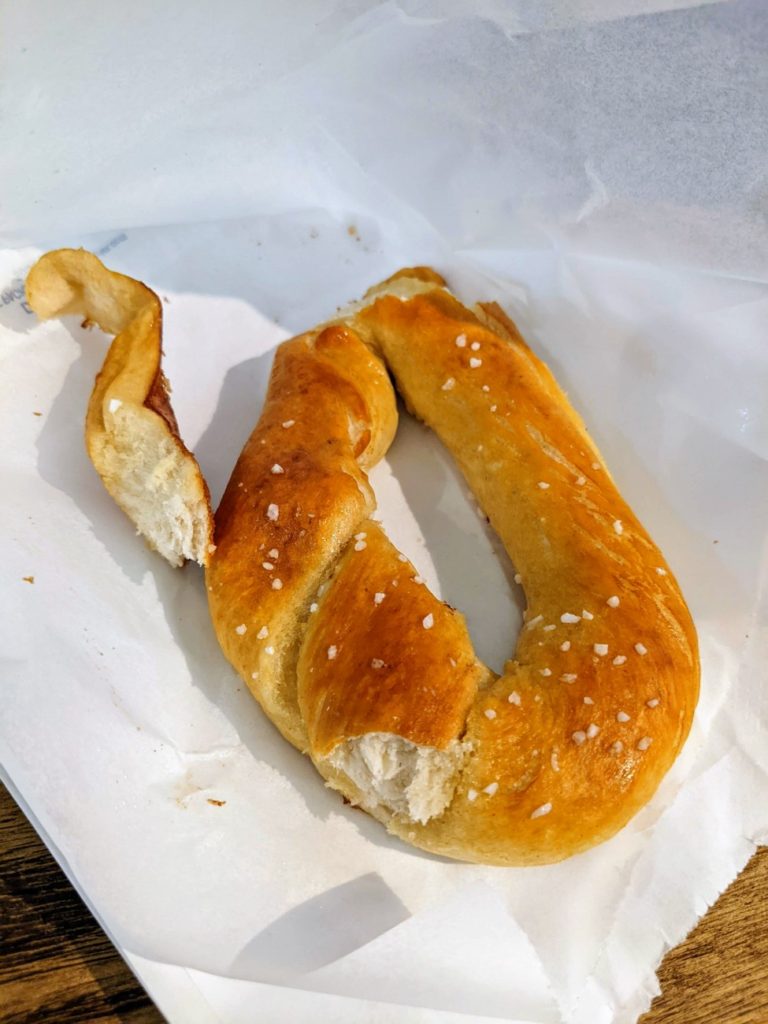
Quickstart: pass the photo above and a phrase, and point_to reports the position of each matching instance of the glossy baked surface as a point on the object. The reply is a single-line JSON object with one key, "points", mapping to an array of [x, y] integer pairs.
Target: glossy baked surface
{"points": [[599, 695]]}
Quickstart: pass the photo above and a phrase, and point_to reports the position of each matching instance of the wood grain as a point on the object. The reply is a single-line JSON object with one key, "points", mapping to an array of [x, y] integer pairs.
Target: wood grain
{"points": [[719, 975], [58, 967]]}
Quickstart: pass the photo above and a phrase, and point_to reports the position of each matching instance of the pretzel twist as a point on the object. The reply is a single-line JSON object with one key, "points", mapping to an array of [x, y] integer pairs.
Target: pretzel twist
{"points": [[131, 431], [361, 667]]}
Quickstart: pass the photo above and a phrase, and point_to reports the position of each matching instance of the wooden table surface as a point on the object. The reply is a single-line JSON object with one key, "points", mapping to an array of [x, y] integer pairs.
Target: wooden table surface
{"points": [[58, 967]]}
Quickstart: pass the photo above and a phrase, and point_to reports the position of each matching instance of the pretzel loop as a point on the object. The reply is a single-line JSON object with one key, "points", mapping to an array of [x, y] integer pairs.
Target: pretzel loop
{"points": [[360, 666]]}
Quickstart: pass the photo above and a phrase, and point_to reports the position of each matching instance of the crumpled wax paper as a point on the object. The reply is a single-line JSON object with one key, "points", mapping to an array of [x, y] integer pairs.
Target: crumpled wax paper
{"points": [[597, 168]]}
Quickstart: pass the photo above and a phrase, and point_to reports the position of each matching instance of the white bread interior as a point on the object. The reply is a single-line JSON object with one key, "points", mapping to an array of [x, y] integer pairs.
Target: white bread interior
{"points": [[404, 778]]}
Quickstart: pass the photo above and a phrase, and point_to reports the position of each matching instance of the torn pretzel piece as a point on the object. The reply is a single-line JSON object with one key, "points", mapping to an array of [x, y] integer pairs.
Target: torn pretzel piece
{"points": [[131, 432]]}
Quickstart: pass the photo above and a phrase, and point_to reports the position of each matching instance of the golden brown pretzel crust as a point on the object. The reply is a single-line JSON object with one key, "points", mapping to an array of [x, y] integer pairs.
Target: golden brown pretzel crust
{"points": [[598, 698], [295, 497], [131, 431], [416, 682]]}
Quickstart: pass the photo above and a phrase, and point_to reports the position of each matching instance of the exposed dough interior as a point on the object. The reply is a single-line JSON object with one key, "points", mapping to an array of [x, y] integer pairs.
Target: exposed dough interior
{"points": [[415, 781], [154, 482]]}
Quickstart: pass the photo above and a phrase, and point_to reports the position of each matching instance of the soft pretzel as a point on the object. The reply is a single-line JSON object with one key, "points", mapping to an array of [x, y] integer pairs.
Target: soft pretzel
{"points": [[131, 432], [361, 667]]}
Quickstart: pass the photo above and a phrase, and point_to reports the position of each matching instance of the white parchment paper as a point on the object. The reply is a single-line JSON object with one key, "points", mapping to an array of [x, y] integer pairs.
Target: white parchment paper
{"points": [[596, 168]]}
